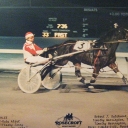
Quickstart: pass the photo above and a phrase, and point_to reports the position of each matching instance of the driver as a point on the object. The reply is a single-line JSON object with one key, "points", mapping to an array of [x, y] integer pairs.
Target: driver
{"points": [[31, 51]]}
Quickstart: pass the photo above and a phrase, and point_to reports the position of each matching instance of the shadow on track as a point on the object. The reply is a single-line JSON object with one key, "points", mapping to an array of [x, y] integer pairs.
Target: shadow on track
{"points": [[98, 88]]}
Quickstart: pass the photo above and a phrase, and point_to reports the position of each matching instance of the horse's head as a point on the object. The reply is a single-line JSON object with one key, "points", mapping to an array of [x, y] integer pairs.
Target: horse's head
{"points": [[122, 34], [112, 38], [114, 35]]}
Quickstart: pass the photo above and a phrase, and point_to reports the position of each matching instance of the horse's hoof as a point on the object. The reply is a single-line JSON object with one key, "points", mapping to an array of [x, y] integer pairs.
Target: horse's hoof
{"points": [[125, 80], [92, 81], [90, 87], [82, 80], [86, 82]]}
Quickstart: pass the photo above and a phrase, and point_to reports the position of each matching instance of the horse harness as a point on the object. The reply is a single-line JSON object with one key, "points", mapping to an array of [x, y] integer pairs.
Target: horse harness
{"points": [[100, 53]]}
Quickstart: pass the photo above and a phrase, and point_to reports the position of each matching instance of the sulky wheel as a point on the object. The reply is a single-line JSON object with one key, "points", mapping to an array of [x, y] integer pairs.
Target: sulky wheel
{"points": [[53, 79], [29, 80]]}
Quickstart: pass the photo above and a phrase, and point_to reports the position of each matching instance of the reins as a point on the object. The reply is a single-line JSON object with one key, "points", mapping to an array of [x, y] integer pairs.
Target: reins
{"points": [[117, 41], [59, 46]]}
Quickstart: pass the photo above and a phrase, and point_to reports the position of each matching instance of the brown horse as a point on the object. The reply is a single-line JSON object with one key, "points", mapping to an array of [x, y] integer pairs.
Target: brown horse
{"points": [[96, 58]]}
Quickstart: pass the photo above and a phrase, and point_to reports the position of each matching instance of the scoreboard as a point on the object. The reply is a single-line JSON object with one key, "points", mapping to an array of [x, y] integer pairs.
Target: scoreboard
{"points": [[61, 22], [83, 22]]}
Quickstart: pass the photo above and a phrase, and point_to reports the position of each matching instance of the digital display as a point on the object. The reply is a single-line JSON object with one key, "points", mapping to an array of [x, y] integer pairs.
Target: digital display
{"points": [[84, 22], [61, 22]]}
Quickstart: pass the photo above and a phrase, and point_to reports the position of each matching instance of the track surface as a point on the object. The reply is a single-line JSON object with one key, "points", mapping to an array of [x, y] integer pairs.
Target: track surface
{"points": [[42, 109]]}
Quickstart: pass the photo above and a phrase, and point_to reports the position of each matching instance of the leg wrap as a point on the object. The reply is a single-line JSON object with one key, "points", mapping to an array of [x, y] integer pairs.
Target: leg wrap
{"points": [[78, 73], [92, 80]]}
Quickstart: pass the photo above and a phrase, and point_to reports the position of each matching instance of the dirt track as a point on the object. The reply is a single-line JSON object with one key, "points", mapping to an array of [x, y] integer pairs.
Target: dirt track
{"points": [[42, 109]]}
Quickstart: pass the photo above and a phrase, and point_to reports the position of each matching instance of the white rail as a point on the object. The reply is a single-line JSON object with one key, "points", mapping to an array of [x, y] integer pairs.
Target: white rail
{"points": [[11, 51], [122, 54], [20, 51]]}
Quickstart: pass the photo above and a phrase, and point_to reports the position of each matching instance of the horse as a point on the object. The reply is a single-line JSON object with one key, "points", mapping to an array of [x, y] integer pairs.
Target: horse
{"points": [[96, 58]]}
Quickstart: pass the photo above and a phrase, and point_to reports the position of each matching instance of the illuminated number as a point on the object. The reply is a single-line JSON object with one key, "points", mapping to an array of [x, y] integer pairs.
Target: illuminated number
{"points": [[60, 34], [84, 35], [112, 13], [85, 24], [84, 30], [45, 34], [62, 26], [84, 19], [58, 25], [115, 13]]}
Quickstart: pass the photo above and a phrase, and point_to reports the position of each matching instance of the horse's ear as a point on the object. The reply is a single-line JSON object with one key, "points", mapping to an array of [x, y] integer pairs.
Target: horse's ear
{"points": [[116, 25]]}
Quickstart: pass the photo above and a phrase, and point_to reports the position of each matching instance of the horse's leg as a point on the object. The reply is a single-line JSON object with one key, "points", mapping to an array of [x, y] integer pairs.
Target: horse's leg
{"points": [[78, 73], [95, 74], [114, 67]]}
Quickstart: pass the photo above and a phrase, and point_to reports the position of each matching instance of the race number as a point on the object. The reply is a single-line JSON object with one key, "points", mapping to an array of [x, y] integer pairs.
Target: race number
{"points": [[82, 45]]}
